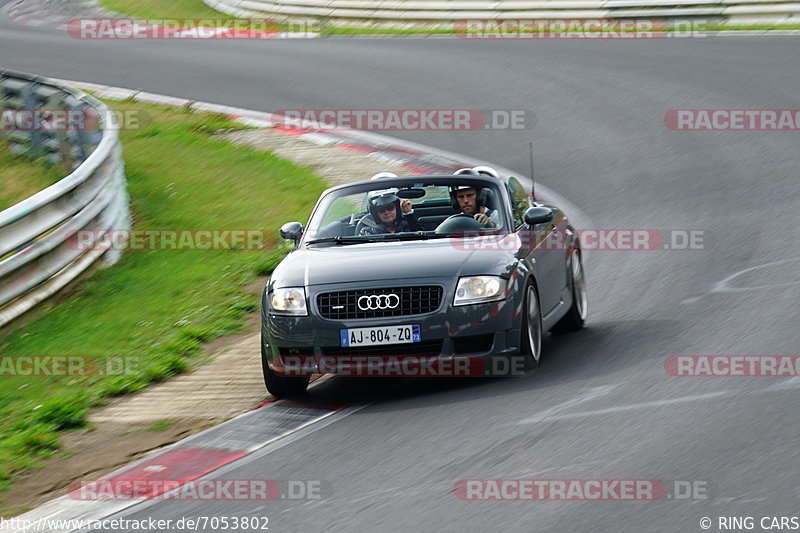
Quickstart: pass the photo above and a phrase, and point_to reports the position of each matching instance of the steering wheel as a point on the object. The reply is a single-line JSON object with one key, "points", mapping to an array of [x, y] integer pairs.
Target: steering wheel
{"points": [[458, 222]]}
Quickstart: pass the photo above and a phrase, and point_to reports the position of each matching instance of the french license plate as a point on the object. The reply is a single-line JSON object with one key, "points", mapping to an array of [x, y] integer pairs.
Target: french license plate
{"points": [[380, 335]]}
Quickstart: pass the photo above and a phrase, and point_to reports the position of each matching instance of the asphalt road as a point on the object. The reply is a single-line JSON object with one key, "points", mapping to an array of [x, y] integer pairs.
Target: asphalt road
{"points": [[601, 406]]}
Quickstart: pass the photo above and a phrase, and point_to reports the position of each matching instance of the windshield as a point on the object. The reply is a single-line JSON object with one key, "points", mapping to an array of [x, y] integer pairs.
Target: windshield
{"points": [[412, 209]]}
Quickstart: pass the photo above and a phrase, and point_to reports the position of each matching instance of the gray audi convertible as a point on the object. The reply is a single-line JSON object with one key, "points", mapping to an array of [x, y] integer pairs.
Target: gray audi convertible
{"points": [[441, 275]]}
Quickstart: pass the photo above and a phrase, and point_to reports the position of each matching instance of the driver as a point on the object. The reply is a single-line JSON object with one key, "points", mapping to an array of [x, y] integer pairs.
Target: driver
{"points": [[387, 214], [469, 200]]}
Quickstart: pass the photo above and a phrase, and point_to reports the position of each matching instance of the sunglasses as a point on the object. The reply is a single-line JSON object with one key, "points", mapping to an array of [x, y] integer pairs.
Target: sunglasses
{"points": [[386, 209]]}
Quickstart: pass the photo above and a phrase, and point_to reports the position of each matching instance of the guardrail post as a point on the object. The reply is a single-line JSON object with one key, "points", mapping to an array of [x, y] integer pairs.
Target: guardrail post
{"points": [[38, 254], [62, 136], [31, 103], [3, 98], [82, 136]]}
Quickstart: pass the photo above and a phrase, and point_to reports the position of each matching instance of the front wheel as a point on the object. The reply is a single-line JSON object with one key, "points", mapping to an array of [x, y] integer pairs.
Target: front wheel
{"points": [[532, 329], [281, 386], [576, 315]]}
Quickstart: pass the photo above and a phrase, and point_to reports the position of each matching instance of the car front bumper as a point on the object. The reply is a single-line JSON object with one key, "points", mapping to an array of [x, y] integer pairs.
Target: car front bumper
{"points": [[472, 340]]}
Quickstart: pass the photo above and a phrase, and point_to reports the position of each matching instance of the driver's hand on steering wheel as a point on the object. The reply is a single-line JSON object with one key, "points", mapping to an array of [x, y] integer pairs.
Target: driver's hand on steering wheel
{"points": [[483, 219]]}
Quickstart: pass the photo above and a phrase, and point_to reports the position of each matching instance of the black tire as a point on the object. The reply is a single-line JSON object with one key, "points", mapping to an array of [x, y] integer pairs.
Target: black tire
{"points": [[281, 386], [576, 315], [531, 342]]}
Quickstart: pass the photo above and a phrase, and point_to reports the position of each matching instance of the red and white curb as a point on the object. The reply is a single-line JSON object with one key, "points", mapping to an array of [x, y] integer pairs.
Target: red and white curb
{"points": [[275, 421], [418, 159], [36, 13], [185, 461]]}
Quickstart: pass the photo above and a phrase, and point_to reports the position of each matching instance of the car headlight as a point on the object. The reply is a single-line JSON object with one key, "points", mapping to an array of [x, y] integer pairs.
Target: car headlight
{"points": [[289, 301], [479, 289]]}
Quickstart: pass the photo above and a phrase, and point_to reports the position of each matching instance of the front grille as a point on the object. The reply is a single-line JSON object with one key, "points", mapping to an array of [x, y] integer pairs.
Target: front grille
{"points": [[415, 349], [343, 305]]}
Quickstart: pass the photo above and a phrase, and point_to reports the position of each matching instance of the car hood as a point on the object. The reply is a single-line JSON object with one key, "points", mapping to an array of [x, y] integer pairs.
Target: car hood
{"points": [[386, 261]]}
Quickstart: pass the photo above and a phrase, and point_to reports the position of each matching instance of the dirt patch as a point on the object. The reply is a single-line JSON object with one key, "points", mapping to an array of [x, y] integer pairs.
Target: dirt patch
{"points": [[337, 166], [90, 454]]}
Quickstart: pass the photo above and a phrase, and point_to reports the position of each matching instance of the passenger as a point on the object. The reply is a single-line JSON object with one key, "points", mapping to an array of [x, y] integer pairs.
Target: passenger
{"points": [[387, 214]]}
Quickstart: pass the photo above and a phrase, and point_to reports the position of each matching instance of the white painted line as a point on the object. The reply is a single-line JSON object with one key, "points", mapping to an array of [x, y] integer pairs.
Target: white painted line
{"points": [[258, 452], [105, 509], [788, 384], [589, 395], [552, 413], [723, 285], [636, 406]]}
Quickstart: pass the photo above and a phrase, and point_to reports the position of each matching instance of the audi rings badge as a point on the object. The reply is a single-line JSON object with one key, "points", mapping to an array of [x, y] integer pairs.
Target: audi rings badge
{"points": [[378, 302]]}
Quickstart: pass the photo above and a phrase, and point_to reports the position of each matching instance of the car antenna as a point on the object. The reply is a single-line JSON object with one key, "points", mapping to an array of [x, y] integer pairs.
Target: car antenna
{"points": [[533, 179]]}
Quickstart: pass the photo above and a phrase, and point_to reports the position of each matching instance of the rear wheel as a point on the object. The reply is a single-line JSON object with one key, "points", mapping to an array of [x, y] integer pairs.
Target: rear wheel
{"points": [[281, 386], [576, 315], [532, 329]]}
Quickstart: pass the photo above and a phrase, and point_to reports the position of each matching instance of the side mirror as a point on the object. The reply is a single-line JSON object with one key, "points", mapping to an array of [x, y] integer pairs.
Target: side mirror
{"points": [[292, 231], [538, 215]]}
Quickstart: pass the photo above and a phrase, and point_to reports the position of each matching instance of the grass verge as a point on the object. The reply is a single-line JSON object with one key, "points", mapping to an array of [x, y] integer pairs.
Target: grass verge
{"points": [[197, 9], [21, 177], [168, 9], [154, 308]]}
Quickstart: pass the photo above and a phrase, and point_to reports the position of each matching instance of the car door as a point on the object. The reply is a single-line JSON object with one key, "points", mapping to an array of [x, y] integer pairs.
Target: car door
{"points": [[543, 244]]}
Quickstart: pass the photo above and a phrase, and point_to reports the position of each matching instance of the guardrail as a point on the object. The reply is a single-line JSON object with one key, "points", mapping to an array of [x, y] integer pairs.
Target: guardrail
{"points": [[440, 12], [38, 257]]}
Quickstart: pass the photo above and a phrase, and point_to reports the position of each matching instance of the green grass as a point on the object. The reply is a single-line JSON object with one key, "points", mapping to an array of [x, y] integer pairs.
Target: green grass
{"points": [[345, 30], [161, 425], [757, 27], [156, 9], [335, 30], [195, 9], [154, 308], [21, 177]]}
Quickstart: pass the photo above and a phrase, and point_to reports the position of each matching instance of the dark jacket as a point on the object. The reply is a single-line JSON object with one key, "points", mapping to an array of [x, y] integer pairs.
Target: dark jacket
{"points": [[368, 226]]}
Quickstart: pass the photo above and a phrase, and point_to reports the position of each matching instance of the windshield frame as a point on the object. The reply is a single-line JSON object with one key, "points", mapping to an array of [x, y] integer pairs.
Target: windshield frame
{"points": [[497, 186]]}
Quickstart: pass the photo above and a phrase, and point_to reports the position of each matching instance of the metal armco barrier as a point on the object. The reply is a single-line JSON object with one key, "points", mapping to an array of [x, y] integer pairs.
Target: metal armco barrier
{"points": [[37, 255], [440, 12]]}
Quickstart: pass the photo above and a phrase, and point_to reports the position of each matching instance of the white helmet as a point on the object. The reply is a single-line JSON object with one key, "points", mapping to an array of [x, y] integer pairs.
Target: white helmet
{"points": [[486, 171], [380, 175], [466, 172]]}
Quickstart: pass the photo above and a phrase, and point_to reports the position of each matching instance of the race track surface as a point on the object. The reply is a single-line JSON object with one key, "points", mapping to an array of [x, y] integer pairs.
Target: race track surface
{"points": [[601, 405]]}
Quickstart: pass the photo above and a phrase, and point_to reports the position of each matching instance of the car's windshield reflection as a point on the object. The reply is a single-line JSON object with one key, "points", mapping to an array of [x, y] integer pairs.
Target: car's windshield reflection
{"points": [[405, 211]]}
